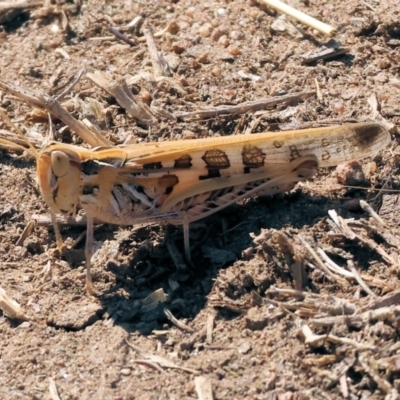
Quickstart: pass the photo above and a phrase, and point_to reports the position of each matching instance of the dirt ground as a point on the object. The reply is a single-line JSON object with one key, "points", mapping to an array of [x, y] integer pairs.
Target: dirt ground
{"points": [[242, 325]]}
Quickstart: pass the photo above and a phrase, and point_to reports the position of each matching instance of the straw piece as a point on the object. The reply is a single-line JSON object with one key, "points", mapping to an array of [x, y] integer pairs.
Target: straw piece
{"points": [[300, 16]]}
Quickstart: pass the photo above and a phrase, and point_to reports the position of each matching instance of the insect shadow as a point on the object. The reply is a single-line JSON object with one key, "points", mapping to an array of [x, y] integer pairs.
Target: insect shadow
{"points": [[154, 282]]}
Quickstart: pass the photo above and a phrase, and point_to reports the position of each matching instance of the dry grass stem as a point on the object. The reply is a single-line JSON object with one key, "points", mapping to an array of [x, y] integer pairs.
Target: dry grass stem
{"points": [[248, 106], [176, 322], [11, 308], [300, 16], [53, 392], [158, 360]]}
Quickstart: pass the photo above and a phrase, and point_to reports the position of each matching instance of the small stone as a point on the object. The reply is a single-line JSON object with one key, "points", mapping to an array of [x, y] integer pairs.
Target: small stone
{"points": [[383, 63], [236, 35], [202, 59], [190, 12], [285, 396], [370, 169], [205, 30], [217, 33], [145, 96], [254, 13], [224, 41], [338, 107], [244, 348], [381, 78], [234, 50], [350, 174], [216, 71], [178, 47], [182, 81], [187, 134], [352, 205], [173, 28], [125, 371], [222, 12]]}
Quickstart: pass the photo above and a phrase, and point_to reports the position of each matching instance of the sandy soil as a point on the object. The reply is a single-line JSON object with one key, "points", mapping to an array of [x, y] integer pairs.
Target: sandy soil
{"points": [[242, 328]]}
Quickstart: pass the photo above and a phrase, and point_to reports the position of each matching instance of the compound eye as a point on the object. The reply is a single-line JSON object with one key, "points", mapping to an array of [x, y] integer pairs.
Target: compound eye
{"points": [[59, 163]]}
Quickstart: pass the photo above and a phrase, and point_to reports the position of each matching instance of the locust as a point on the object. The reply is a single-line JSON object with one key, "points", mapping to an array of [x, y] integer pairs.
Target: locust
{"points": [[187, 180]]}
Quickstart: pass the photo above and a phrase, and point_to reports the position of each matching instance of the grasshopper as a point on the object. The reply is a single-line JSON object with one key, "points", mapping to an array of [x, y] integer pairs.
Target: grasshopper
{"points": [[183, 181]]}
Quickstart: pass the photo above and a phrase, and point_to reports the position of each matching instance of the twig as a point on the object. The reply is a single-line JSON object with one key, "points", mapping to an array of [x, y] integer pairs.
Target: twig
{"points": [[347, 232], [359, 320], [369, 365], [357, 277], [352, 273], [12, 142], [54, 108], [317, 340], [209, 328], [320, 263], [26, 232], [333, 266], [133, 105], [161, 361], [156, 60], [300, 16], [344, 389], [71, 85], [203, 387], [256, 105], [11, 308], [121, 36], [366, 207], [53, 390], [176, 322]]}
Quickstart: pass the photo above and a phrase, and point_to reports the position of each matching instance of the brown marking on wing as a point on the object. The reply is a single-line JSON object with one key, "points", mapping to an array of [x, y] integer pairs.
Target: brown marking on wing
{"points": [[216, 159], [183, 162], [366, 135], [294, 153], [252, 157], [168, 182], [212, 173], [326, 155], [154, 165], [325, 142]]}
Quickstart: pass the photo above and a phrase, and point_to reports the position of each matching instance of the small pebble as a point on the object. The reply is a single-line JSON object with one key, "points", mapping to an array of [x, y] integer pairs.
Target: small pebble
{"points": [[381, 78], [205, 30], [350, 174], [125, 371], [190, 12], [222, 12], [178, 47], [352, 205], [338, 107], [383, 63], [236, 35], [244, 348], [254, 13], [234, 50], [145, 96], [217, 33], [216, 71], [224, 41], [202, 58]]}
